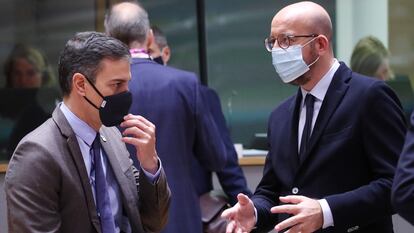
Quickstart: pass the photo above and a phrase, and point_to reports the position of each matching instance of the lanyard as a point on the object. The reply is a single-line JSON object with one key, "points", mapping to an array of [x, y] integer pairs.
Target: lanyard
{"points": [[139, 53]]}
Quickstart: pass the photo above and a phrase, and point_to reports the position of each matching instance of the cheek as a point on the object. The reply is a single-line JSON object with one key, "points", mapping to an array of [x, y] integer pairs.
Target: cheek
{"points": [[309, 55], [33, 80], [382, 72]]}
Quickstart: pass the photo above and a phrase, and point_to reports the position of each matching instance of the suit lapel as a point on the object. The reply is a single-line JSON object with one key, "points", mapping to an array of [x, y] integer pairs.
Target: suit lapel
{"points": [[76, 155], [333, 98], [121, 168]]}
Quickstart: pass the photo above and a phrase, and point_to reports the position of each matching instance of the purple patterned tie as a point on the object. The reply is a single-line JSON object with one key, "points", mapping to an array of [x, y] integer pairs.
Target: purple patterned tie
{"points": [[103, 205]]}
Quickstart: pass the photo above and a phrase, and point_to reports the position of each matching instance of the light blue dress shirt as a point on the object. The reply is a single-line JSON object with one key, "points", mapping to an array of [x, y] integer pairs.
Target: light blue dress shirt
{"points": [[85, 136]]}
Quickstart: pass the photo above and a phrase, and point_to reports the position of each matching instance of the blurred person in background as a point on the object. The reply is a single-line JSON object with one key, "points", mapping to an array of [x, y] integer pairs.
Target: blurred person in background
{"points": [[27, 67], [371, 58], [29, 81], [159, 50]]}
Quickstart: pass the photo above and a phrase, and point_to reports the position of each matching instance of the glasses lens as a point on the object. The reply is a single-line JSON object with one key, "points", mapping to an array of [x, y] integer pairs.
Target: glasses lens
{"points": [[283, 41]]}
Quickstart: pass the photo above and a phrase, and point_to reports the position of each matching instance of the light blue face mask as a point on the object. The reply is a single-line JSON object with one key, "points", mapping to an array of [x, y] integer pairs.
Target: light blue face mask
{"points": [[289, 63]]}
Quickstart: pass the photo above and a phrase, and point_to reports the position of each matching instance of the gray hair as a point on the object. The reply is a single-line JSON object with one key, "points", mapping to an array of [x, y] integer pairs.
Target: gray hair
{"points": [[159, 37], [128, 22]]}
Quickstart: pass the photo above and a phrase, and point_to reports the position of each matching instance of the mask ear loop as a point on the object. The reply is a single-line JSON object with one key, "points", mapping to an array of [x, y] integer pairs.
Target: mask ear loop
{"points": [[317, 59], [99, 93]]}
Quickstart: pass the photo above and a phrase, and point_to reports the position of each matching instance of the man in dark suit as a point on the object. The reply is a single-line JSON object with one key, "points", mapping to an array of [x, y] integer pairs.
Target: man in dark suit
{"points": [[74, 173], [403, 186], [231, 178], [171, 99], [333, 146]]}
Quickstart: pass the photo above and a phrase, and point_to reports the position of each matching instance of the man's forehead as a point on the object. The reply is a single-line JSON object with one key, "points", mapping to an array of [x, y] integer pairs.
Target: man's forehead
{"points": [[285, 28]]}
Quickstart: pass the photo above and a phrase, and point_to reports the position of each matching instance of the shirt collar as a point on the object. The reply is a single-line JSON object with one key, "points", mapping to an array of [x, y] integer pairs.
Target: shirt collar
{"points": [[81, 128], [320, 89]]}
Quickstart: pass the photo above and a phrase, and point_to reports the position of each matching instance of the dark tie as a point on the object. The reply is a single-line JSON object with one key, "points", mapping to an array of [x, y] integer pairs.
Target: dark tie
{"points": [[304, 144], [103, 205]]}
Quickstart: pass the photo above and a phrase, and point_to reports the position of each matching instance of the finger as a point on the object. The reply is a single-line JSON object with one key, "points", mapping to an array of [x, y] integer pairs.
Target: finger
{"points": [[243, 199], [288, 209], [134, 141], [136, 132], [230, 226], [294, 199], [136, 123], [292, 221], [239, 230], [229, 213], [296, 229], [140, 118]]}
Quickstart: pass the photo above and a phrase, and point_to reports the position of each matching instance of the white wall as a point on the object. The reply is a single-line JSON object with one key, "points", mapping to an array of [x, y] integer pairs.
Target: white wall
{"points": [[356, 19]]}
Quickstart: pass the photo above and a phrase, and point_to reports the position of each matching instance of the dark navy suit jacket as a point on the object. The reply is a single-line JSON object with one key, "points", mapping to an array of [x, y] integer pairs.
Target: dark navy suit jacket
{"points": [[231, 178], [403, 186], [354, 148], [171, 99]]}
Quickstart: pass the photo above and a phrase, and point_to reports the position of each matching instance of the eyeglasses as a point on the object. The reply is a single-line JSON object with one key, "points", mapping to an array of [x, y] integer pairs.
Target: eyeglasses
{"points": [[283, 41]]}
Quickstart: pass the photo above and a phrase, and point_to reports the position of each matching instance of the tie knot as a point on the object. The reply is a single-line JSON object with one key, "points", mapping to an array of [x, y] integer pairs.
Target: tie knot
{"points": [[96, 144], [309, 100]]}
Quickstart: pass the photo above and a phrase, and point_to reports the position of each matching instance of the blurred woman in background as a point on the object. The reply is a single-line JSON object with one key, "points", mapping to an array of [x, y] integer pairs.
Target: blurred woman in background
{"points": [[371, 58]]}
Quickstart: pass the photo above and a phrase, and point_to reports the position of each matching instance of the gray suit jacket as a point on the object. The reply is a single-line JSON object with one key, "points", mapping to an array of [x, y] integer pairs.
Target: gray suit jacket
{"points": [[48, 190]]}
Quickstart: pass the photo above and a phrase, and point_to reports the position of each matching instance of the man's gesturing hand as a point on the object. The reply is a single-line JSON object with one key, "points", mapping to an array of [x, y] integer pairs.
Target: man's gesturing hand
{"points": [[241, 216], [307, 214]]}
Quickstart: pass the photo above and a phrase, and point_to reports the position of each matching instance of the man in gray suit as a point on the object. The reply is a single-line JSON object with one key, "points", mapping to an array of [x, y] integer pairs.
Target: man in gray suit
{"points": [[72, 174]]}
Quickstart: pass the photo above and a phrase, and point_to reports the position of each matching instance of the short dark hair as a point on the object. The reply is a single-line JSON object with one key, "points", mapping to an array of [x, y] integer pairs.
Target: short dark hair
{"points": [[159, 36], [83, 54], [130, 27]]}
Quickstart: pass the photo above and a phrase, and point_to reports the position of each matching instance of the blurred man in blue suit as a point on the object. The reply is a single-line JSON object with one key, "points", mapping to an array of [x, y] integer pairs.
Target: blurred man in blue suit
{"points": [[172, 100], [403, 186], [334, 145], [231, 178]]}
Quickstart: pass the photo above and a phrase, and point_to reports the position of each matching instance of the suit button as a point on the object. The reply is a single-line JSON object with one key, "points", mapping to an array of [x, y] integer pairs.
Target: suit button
{"points": [[295, 190]]}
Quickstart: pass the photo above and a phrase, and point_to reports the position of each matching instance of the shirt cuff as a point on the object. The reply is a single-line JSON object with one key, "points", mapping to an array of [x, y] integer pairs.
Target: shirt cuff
{"points": [[153, 177], [327, 214]]}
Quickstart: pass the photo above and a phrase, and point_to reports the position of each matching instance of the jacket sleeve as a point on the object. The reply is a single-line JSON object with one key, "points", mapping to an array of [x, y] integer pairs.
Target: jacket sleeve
{"points": [[154, 202], [32, 190], [382, 127], [403, 186]]}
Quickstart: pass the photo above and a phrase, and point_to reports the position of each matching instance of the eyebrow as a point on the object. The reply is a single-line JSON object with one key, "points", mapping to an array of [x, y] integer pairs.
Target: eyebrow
{"points": [[120, 80]]}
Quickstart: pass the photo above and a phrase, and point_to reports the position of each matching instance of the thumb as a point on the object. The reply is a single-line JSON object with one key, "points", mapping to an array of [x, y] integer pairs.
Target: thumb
{"points": [[243, 199]]}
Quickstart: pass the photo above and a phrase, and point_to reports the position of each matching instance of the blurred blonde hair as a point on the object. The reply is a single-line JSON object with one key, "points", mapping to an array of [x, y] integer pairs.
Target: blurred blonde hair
{"points": [[34, 57]]}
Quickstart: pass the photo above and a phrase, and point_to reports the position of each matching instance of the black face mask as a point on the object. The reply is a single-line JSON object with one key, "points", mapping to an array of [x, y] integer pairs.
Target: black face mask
{"points": [[158, 60], [113, 107]]}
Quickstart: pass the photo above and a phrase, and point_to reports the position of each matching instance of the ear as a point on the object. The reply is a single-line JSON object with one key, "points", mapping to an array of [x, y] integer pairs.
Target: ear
{"points": [[150, 39], [323, 45], [78, 84], [166, 54]]}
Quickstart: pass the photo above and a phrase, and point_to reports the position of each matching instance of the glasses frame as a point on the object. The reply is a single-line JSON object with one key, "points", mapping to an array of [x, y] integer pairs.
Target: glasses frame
{"points": [[270, 42]]}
